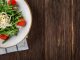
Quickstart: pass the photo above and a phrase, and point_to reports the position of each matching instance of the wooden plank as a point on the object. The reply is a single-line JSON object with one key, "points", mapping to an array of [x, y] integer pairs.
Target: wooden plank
{"points": [[76, 55], [58, 31]]}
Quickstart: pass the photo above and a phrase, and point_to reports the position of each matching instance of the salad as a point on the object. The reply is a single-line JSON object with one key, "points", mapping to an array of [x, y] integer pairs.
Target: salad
{"points": [[10, 19]]}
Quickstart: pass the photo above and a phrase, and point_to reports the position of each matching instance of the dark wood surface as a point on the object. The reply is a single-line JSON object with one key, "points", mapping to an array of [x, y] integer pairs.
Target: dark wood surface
{"points": [[55, 32]]}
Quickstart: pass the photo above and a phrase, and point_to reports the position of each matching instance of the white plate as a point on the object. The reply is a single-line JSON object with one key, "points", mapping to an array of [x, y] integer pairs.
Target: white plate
{"points": [[23, 6]]}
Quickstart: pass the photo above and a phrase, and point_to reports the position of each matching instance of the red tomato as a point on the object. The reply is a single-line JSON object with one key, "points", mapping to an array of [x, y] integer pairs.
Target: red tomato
{"points": [[12, 2], [4, 37], [22, 22]]}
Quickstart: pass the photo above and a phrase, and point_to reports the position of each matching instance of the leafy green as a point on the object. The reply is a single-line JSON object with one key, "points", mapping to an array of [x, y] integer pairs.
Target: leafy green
{"points": [[11, 31], [14, 14]]}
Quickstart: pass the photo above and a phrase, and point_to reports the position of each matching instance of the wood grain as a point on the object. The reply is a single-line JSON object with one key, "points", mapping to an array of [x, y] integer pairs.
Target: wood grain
{"points": [[58, 30], [77, 30], [55, 32]]}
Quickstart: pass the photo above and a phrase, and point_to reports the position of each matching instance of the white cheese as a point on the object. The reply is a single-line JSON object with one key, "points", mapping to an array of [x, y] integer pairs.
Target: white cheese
{"points": [[4, 20]]}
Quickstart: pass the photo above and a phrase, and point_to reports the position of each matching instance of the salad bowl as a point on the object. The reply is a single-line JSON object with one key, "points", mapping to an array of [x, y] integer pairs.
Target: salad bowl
{"points": [[23, 32]]}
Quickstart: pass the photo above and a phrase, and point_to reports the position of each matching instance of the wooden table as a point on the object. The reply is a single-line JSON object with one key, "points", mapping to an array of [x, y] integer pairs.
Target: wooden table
{"points": [[55, 32]]}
